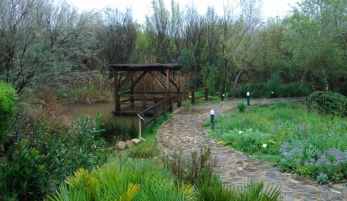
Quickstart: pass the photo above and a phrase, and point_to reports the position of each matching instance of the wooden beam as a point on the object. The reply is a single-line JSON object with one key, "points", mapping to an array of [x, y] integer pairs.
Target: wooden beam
{"points": [[139, 78], [157, 79], [126, 79], [116, 88], [171, 80]]}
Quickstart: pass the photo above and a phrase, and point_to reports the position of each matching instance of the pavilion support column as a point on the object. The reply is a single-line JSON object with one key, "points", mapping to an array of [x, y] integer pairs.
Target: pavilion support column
{"points": [[132, 91], [116, 88], [168, 86], [179, 100]]}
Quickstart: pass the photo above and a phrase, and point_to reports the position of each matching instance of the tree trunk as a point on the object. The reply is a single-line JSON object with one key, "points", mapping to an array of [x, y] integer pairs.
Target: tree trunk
{"points": [[302, 79], [325, 77], [236, 81]]}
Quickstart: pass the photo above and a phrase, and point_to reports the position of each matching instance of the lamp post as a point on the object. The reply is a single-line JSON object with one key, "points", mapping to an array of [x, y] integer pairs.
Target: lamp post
{"points": [[248, 98], [212, 119]]}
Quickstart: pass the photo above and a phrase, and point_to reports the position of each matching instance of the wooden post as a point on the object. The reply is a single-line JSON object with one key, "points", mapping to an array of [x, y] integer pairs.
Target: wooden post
{"points": [[140, 126], [171, 104], [132, 92], [179, 100], [168, 83], [116, 95], [167, 86], [193, 98]]}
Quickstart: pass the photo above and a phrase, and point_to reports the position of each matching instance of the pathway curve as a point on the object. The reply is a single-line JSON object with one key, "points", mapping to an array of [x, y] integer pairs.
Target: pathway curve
{"points": [[184, 132]]}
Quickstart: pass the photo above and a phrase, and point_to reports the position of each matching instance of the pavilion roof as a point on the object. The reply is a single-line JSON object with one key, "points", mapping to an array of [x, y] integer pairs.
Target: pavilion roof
{"points": [[145, 67]]}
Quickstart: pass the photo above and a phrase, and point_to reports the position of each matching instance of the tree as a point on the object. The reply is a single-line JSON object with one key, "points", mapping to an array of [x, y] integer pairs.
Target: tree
{"points": [[269, 54], [236, 36], [319, 26], [117, 36], [157, 29], [40, 40]]}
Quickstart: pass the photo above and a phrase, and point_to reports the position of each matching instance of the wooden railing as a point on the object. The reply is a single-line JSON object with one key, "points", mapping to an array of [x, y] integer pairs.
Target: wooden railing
{"points": [[190, 95], [139, 98], [155, 111]]}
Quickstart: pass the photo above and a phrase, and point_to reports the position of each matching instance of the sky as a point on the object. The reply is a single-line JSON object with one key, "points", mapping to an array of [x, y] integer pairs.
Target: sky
{"points": [[140, 8]]}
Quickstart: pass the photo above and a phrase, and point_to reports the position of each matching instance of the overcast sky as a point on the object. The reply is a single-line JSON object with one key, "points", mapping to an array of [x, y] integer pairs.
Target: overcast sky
{"points": [[271, 8]]}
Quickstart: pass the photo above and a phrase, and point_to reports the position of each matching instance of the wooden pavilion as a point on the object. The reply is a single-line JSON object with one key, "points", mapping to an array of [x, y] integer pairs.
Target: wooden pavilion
{"points": [[132, 102]]}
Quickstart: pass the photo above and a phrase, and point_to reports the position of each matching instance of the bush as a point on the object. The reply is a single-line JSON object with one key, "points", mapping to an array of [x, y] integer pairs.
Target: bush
{"points": [[264, 90], [25, 177], [241, 106], [327, 103], [199, 167], [8, 99], [47, 156]]}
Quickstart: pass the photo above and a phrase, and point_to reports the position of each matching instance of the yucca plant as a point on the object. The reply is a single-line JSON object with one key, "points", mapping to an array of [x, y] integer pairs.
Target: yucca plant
{"points": [[137, 180], [215, 190], [255, 190]]}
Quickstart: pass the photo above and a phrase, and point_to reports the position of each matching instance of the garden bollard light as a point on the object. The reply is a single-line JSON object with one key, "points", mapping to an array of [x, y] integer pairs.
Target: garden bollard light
{"points": [[248, 98], [212, 119]]}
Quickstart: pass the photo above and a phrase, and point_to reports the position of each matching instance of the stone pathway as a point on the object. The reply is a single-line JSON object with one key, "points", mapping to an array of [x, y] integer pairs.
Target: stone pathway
{"points": [[184, 132]]}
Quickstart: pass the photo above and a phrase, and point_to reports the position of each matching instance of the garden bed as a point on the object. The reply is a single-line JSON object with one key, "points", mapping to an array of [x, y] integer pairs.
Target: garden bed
{"points": [[289, 136]]}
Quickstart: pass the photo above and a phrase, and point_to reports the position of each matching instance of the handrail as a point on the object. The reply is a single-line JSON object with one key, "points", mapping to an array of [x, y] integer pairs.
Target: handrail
{"points": [[167, 106], [193, 97]]}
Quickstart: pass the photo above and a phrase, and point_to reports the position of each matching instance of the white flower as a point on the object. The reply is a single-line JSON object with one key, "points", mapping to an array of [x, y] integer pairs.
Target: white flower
{"points": [[250, 129], [272, 92], [240, 132]]}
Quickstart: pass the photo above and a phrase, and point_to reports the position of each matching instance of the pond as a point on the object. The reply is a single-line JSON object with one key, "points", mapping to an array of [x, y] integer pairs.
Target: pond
{"points": [[105, 109], [75, 111]]}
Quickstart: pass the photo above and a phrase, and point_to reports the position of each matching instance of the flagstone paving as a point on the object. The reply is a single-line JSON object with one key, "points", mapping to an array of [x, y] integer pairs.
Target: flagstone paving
{"points": [[184, 132]]}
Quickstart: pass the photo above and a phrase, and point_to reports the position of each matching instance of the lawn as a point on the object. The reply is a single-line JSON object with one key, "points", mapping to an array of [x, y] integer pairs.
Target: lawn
{"points": [[289, 136]]}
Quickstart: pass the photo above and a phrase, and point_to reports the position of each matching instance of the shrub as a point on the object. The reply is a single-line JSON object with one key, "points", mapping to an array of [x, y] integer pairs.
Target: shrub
{"points": [[8, 98], [263, 90], [272, 87], [197, 167], [327, 103], [45, 155], [241, 106], [25, 177]]}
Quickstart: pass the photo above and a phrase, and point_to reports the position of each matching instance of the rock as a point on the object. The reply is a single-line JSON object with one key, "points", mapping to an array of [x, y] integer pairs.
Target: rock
{"points": [[136, 141], [121, 145], [129, 143]]}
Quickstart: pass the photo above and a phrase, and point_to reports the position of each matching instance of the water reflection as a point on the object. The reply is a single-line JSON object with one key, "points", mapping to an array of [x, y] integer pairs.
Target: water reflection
{"points": [[105, 109], [75, 111]]}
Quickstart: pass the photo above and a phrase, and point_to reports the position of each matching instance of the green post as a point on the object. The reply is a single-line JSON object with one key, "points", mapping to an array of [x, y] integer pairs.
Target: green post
{"points": [[212, 119], [248, 98]]}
